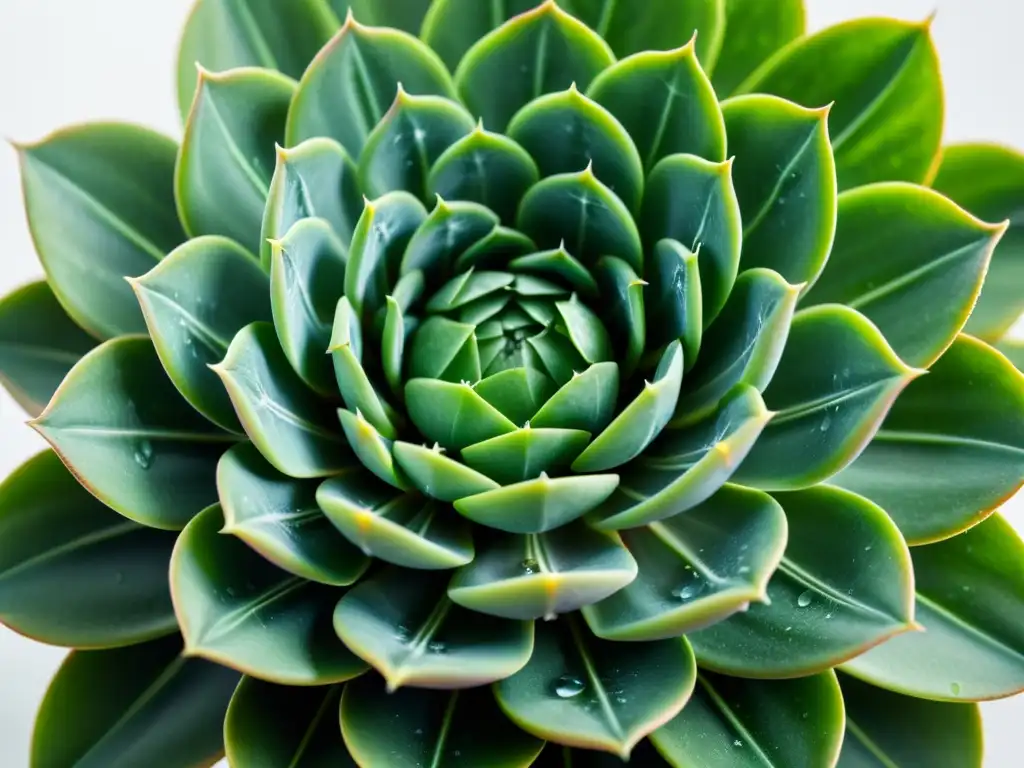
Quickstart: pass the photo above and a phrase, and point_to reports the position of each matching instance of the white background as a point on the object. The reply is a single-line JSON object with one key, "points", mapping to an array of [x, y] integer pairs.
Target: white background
{"points": [[65, 61]]}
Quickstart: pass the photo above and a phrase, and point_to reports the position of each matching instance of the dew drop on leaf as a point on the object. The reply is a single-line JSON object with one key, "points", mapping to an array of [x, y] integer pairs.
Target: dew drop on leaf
{"points": [[686, 592], [529, 565], [437, 647], [568, 686], [144, 454], [805, 599], [955, 689]]}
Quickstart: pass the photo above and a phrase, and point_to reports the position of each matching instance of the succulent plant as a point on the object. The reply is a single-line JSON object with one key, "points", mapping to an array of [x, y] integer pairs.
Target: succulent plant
{"points": [[522, 386]]}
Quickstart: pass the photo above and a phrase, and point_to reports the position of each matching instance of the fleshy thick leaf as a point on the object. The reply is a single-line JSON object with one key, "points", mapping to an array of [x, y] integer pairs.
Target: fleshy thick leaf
{"points": [[227, 158], [537, 52], [988, 181], [39, 344], [883, 76], [437, 475], [586, 401], [451, 27], [525, 453], [911, 261], [695, 568], [157, 708], [754, 30], [404, 529], [285, 419], [969, 589], [307, 277], [735, 723], [887, 730], [453, 415], [270, 725], [315, 179], [403, 624], [349, 85], [124, 431], [835, 382], [279, 518], [692, 201], [623, 291], [584, 692], [819, 610], [406, 15], [661, 25], [742, 346], [72, 571], [438, 728], [225, 34], [194, 302], [967, 417], [237, 609], [785, 179], [100, 205], [685, 466], [543, 575]]}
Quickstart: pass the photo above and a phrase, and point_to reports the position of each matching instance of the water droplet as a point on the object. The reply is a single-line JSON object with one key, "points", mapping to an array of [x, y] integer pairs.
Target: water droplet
{"points": [[788, 629], [436, 646], [402, 632], [805, 715], [568, 686], [621, 699], [529, 565], [419, 731], [955, 689], [687, 591], [828, 616], [144, 454], [867, 548], [457, 753], [826, 423], [805, 599], [744, 569], [737, 743]]}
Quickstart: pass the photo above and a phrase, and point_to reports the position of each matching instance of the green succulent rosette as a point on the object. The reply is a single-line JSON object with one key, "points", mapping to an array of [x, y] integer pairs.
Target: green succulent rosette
{"points": [[517, 386]]}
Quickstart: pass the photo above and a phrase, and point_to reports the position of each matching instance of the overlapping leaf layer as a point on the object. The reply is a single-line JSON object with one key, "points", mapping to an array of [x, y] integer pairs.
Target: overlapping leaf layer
{"points": [[521, 385]]}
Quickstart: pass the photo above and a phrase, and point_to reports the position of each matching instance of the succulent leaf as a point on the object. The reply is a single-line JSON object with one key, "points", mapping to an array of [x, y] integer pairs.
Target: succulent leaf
{"points": [[72, 571], [971, 647], [131, 722], [406, 15], [736, 723], [269, 725], [111, 187], [39, 344], [754, 31], [956, 418]]}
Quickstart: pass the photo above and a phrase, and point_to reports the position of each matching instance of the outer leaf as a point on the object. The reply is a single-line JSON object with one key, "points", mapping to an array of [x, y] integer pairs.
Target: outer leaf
{"points": [[1013, 349], [451, 27], [659, 25], [285, 419], [754, 30], [987, 180], [406, 15], [883, 76], [315, 179], [735, 723], [73, 572], [194, 302], [237, 609], [886, 730], [486, 168], [130, 439], [527, 577], [39, 344], [684, 467], [100, 205], [835, 382], [672, 85], [785, 179], [692, 569], [540, 505], [352, 81], [922, 291], [225, 34], [270, 725], [577, 211], [404, 625], [157, 708], [972, 646], [406, 530], [743, 345], [227, 158], [537, 52], [307, 277], [557, 756], [437, 728], [279, 518], [820, 610], [411, 135], [584, 692], [691, 200], [967, 417], [567, 131], [639, 422]]}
